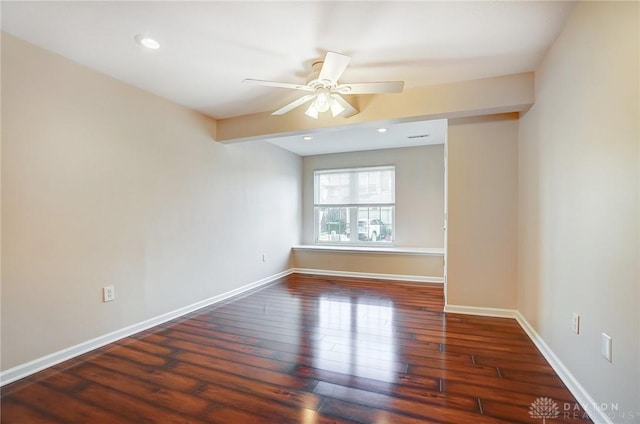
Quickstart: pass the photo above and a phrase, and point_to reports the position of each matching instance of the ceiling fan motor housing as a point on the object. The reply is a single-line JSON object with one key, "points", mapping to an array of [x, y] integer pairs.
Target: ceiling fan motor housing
{"points": [[314, 82], [326, 92]]}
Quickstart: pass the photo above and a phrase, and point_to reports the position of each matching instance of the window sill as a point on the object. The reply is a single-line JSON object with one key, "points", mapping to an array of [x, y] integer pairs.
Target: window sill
{"points": [[421, 251]]}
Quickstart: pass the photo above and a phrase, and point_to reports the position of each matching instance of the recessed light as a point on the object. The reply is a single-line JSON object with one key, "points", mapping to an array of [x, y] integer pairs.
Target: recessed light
{"points": [[307, 137], [382, 130], [146, 41]]}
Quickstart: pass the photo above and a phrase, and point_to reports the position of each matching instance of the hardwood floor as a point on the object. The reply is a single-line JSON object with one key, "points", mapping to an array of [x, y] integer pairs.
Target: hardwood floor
{"points": [[307, 349]]}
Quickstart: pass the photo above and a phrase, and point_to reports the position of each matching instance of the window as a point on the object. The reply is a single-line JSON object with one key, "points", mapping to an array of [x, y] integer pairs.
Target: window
{"points": [[354, 205]]}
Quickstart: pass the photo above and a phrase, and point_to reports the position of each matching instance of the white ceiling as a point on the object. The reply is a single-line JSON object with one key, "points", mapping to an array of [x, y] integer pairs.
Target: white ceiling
{"points": [[208, 48]]}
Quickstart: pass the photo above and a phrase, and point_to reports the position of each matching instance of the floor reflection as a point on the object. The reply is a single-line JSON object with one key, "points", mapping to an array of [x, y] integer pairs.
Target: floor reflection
{"points": [[358, 337]]}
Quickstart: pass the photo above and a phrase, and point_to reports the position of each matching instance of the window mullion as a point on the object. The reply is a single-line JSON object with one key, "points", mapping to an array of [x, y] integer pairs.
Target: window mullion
{"points": [[353, 217]]}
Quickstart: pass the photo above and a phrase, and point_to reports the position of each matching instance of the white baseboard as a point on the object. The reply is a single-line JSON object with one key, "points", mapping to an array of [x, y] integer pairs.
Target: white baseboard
{"points": [[31, 367], [485, 312], [597, 415], [577, 390], [393, 277]]}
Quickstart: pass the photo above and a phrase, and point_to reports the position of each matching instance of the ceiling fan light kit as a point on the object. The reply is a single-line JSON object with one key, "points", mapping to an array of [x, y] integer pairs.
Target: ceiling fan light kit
{"points": [[327, 91], [312, 112], [336, 108], [323, 102], [323, 98]]}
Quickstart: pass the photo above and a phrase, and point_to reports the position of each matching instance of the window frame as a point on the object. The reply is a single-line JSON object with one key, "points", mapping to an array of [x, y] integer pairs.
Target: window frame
{"points": [[353, 208]]}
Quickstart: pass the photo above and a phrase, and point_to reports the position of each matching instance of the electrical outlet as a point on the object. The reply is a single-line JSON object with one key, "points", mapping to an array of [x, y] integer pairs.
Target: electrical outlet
{"points": [[575, 323], [108, 293], [606, 346]]}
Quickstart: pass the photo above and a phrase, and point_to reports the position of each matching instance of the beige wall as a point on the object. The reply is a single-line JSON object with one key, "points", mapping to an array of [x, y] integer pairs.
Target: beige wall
{"points": [[105, 184], [483, 211], [419, 190], [579, 182], [377, 263]]}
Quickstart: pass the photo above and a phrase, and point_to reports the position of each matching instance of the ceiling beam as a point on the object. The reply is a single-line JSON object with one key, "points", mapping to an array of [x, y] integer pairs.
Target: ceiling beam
{"points": [[504, 94]]}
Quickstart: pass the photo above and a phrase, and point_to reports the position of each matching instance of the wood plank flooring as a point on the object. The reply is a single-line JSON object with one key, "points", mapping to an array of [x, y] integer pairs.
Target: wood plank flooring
{"points": [[308, 349]]}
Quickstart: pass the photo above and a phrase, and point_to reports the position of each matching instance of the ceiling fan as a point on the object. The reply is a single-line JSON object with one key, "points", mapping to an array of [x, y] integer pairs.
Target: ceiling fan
{"points": [[325, 90]]}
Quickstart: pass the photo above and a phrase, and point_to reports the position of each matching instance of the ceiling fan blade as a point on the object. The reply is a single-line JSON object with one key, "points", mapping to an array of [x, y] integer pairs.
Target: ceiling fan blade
{"points": [[371, 87], [278, 84], [333, 66], [294, 104], [348, 109]]}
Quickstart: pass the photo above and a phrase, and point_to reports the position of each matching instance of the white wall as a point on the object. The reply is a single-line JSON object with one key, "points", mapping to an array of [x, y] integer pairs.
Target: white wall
{"points": [[105, 184], [579, 201], [483, 211], [419, 190]]}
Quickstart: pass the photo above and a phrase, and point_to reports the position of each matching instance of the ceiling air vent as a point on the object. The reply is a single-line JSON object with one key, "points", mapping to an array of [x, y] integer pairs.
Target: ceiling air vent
{"points": [[414, 137]]}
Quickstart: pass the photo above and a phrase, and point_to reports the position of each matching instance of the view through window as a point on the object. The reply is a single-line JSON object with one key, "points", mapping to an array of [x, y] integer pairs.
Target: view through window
{"points": [[355, 205]]}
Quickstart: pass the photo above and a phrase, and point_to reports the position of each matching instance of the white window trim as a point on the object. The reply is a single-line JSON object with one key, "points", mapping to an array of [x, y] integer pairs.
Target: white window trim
{"points": [[386, 249], [353, 218]]}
